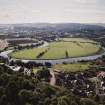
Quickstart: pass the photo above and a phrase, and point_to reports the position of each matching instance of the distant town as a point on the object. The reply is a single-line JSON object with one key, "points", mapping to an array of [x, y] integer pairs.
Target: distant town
{"points": [[52, 64]]}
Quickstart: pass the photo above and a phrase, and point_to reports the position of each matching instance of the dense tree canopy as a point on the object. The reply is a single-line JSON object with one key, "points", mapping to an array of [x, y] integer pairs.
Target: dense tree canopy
{"points": [[19, 89]]}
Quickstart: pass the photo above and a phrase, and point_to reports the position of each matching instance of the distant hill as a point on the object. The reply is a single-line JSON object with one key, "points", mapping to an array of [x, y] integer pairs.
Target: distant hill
{"points": [[100, 24], [52, 27]]}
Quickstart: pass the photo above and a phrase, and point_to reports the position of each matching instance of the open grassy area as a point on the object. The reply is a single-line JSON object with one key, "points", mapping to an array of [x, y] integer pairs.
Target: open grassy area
{"points": [[72, 67], [77, 39], [35, 70], [58, 50], [73, 47], [28, 53]]}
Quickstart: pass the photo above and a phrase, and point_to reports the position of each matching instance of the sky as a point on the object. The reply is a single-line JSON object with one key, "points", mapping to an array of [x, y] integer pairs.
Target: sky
{"points": [[52, 11]]}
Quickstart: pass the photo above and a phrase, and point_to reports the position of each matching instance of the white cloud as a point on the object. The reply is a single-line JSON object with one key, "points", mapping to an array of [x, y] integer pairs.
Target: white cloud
{"points": [[51, 11], [87, 1]]}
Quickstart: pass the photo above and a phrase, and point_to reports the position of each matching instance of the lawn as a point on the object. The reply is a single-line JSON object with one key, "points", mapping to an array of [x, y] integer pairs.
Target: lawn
{"points": [[77, 39], [72, 67], [58, 50], [35, 70], [28, 53], [75, 47]]}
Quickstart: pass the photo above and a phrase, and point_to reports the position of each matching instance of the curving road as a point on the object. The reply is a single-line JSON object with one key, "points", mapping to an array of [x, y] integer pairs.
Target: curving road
{"points": [[55, 61]]}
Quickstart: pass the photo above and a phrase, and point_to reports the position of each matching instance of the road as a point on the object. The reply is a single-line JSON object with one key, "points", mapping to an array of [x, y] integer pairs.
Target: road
{"points": [[55, 61], [52, 79]]}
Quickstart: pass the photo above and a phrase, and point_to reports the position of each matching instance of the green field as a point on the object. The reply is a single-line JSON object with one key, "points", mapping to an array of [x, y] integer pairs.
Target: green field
{"points": [[72, 67], [28, 53], [77, 39], [74, 47]]}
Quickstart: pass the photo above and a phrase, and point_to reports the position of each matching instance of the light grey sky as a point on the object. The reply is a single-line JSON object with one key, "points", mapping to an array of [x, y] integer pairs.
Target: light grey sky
{"points": [[26, 11]]}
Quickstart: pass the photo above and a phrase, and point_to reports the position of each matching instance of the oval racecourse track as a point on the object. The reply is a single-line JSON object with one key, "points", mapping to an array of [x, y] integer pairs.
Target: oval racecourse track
{"points": [[67, 60], [58, 60]]}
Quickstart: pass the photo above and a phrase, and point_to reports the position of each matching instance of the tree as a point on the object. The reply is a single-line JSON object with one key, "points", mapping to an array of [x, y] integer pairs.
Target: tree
{"points": [[12, 91], [25, 96], [4, 79], [48, 64], [44, 73], [87, 101], [67, 55], [3, 100]]}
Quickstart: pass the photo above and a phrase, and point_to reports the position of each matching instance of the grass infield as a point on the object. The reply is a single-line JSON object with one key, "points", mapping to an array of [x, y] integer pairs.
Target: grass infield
{"points": [[67, 47]]}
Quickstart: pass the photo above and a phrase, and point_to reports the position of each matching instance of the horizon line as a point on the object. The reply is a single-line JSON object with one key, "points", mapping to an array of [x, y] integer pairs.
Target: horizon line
{"points": [[52, 23]]}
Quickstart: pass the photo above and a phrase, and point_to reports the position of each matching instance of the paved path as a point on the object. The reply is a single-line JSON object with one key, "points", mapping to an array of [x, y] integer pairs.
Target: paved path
{"points": [[53, 79], [44, 45], [67, 60]]}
